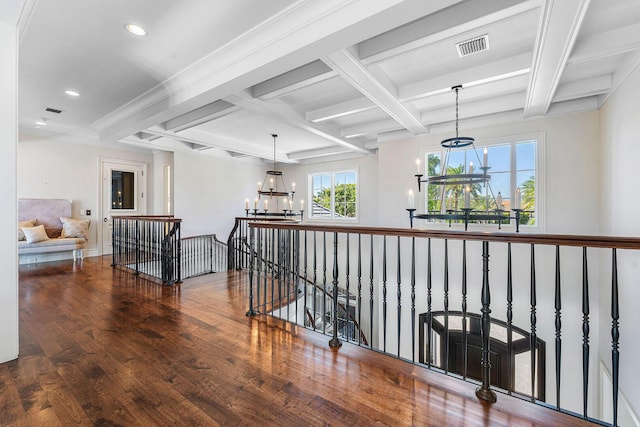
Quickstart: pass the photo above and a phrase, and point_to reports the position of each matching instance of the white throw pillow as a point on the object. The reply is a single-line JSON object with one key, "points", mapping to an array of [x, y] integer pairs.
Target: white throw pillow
{"points": [[27, 223], [75, 227], [35, 234]]}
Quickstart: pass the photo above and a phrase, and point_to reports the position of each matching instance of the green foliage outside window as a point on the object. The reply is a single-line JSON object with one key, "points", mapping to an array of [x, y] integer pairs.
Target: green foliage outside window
{"points": [[345, 199]]}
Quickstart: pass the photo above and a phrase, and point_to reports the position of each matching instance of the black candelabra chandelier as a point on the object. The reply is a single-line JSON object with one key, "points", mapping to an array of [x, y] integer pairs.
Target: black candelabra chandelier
{"points": [[451, 184], [273, 186]]}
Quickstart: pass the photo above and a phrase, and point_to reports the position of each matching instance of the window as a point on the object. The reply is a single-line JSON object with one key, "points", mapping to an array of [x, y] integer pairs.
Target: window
{"points": [[122, 190], [512, 167], [334, 195]]}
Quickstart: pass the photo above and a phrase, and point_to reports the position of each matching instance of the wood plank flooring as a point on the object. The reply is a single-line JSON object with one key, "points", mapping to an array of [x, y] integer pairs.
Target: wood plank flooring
{"points": [[100, 347]]}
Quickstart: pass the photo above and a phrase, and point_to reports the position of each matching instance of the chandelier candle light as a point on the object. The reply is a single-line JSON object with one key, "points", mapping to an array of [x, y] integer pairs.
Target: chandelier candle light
{"points": [[276, 188], [492, 212]]}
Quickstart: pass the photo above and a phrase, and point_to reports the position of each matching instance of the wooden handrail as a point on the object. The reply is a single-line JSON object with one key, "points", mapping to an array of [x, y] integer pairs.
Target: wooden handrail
{"points": [[618, 242], [157, 218]]}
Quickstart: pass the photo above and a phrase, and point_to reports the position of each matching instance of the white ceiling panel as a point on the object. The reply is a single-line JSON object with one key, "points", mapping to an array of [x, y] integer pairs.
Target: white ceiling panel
{"points": [[507, 38], [250, 127], [330, 77]]}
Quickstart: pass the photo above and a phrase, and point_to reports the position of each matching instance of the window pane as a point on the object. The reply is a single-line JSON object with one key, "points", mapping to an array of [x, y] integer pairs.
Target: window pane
{"points": [[499, 159], [122, 190], [501, 183], [433, 164], [526, 155], [321, 195], [456, 162]]}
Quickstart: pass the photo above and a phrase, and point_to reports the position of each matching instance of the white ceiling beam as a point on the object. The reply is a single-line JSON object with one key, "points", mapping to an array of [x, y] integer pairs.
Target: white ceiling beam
{"points": [[448, 128], [335, 111], [281, 112], [573, 106], [485, 102], [606, 44], [370, 129], [558, 28], [582, 88], [163, 144], [195, 136], [293, 80], [297, 35], [502, 68], [204, 114], [462, 17], [377, 90], [318, 152], [473, 109]]}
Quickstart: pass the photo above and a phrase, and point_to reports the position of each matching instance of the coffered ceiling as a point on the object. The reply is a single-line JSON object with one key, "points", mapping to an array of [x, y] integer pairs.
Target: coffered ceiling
{"points": [[332, 78]]}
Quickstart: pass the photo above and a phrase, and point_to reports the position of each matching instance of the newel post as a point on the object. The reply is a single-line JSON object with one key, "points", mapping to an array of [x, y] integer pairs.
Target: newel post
{"points": [[484, 392]]}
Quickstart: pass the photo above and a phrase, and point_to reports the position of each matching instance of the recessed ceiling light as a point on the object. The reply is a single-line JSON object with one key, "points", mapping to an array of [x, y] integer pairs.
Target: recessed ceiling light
{"points": [[135, 29], [41, 123], [71, 93]]}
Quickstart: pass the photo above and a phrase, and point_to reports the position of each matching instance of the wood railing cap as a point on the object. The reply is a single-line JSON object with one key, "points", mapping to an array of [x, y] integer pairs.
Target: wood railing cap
{"points": [[619, 242]]}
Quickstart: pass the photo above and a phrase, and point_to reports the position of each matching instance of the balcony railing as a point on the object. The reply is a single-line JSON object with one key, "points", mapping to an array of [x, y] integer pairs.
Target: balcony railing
{"points": [[238, 240], [151, 245], [511, 312]]}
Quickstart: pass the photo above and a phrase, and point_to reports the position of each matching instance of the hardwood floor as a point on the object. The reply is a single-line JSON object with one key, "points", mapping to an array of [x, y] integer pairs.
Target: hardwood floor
{"points": [[101, 347]]}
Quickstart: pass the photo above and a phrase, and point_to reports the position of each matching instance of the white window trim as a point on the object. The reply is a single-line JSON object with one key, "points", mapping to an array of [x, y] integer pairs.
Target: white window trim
{"points": [[539, 227], [332, 219]]}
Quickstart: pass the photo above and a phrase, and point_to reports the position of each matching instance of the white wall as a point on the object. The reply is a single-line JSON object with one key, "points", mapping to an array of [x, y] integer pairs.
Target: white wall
{"points": [[210, 191], [8, 214], [571, 162], [63, 168], [620, 135]]}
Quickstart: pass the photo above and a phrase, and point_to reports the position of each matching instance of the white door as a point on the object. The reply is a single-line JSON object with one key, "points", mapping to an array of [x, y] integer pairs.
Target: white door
{"points": [[124, 189]]}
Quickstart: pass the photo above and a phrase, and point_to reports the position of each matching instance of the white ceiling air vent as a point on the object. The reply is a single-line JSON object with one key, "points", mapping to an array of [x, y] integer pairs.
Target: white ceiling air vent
{"points": [[474, 45]]}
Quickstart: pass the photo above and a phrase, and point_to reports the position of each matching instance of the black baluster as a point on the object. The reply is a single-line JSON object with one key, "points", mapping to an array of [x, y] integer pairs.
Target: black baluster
{"points": [[304, 282], [371, 293], [615, 335], [287, 251], [399, 295], [137, 239], [429, 316], [251, 311], [315, 279], [558, 307], [413, 299], [510, 367], [258, 252], [324, 282], [585, 331], [446, 305], [347, 319], [296, 269], [533, 340], [273, 269], [464, 309], [335, 342], [484, 392], [359, 303], [281, 273], [267, 245], [384, 293]]}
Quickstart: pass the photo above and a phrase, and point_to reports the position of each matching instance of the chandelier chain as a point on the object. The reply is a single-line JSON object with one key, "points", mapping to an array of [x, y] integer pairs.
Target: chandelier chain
{"points": [[457, 112]]}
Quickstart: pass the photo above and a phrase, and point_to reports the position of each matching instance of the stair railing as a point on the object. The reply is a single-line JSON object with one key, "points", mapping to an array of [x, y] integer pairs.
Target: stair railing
{"points": [[401, 277]]}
